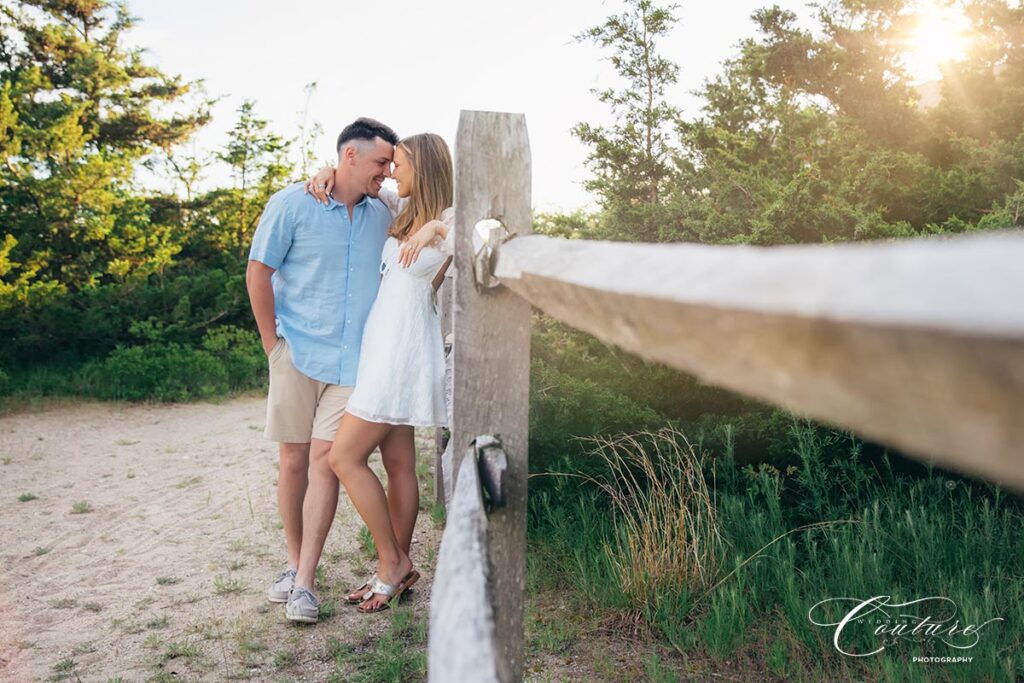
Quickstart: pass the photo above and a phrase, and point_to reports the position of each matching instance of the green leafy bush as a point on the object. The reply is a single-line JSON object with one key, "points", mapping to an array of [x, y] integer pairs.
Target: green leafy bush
{"points": [[162, 372], [229, 359]]}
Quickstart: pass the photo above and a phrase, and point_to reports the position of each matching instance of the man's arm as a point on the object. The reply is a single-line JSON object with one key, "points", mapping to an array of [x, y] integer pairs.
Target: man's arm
{"points": [[261, 297]]}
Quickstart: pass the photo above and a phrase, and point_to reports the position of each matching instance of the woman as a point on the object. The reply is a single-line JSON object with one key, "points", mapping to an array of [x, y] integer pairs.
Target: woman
{"points": [[400, 381]]}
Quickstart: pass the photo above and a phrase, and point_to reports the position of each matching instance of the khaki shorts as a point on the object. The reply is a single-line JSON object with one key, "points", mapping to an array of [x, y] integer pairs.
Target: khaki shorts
{"points": [[300, 408]]}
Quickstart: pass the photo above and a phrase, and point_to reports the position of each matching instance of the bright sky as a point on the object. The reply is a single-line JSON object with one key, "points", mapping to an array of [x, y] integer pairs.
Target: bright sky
{"points": [[415, 65]]}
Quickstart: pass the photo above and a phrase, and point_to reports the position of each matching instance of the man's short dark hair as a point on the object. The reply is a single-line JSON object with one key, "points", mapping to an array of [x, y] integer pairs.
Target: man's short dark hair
{"points": [[366, 129]]}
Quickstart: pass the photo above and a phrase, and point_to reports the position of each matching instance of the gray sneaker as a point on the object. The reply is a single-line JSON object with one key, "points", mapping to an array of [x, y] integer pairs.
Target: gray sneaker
{"points": [[302, 606], [282, 586]]}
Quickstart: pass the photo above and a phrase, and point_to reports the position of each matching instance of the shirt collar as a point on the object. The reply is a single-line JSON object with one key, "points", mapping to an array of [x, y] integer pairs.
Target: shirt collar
{"points": [[332, 204]]}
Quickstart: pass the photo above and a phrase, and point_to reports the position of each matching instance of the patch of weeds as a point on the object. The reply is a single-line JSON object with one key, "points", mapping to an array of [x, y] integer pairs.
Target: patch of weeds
{"points": [[81, 507], [180, 651], [657, 672], [438, 513], [130, 475], [399, 654], [207, 630], [251, 645], [554, 635], [132, 627], [7, 460], [64, 603], [85, 648], [185, 483], [152, 641], [93, 607], [366, 542], [238, 564], [238, 545], [284, 659], [167, 580], [327, 609], [126, 442], [40, 550], [339, 650], [225, 585], [64, 670], [27, 496], [157, 623]]}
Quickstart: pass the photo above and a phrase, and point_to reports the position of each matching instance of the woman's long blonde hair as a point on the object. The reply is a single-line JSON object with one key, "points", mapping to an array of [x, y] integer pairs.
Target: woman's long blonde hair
{"points": [[431, 184]]}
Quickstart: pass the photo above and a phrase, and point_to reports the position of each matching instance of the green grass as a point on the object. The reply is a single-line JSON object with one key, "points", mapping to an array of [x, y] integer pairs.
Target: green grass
{"points": [[283, 659], [81, 507], [328, 608], [64, 670], [157, 623], [26, 497], [180, 651], [366, 543], [41, 550], [397, 655], [836, 523], [438, 512], [225, 585], [167, 580]]}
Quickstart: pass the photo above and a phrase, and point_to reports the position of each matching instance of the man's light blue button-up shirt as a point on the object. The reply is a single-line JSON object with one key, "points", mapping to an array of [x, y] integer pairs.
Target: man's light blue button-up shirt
{"points": [[327, 271]]}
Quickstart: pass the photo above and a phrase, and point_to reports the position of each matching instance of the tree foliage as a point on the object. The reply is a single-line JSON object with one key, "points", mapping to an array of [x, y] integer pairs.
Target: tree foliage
{"points": [[88, 260], [633, 160], [820, 134]]}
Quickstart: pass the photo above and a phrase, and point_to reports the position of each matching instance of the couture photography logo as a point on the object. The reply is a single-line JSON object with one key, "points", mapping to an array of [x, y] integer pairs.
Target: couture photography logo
{"points": [[934, 622]]}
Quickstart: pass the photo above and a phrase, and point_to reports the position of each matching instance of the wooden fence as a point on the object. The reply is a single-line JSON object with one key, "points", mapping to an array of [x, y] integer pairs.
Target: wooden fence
{"points": [[918, 344]]}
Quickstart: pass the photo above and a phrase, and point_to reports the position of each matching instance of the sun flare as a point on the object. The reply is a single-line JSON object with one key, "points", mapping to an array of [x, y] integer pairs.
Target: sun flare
{"points": [[940, 35]]}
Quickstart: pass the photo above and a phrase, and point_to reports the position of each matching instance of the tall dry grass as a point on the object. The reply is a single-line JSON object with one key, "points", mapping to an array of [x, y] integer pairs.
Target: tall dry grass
{"points": [[668, 528]]}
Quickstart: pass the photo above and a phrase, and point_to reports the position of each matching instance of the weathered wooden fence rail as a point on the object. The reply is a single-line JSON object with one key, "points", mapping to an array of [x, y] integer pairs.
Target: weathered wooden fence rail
{"points": [[918, 344]]}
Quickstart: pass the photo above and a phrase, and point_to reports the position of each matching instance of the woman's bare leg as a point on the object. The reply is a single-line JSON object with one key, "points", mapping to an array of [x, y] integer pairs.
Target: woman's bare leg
{"points": [[355, 440], [398, 452]]}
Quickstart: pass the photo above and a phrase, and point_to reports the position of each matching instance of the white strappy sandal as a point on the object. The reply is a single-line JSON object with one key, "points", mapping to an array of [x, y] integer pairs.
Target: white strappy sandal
{"points": [[392, 591]]}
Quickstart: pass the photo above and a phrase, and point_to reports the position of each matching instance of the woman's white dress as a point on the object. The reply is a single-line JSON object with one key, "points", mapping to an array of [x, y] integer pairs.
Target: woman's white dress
{"points": [[401, 361]]}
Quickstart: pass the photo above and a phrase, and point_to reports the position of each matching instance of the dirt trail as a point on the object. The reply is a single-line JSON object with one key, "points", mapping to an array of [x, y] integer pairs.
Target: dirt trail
{"points": [[164, 576]]}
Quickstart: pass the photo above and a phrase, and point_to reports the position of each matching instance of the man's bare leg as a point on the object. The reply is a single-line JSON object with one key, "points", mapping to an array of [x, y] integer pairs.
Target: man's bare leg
{"points": [[292, 480], [317, 512]]}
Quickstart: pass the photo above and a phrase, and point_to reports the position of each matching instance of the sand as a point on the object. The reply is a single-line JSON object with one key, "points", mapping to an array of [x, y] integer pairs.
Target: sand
{"points": [[164, 576]]}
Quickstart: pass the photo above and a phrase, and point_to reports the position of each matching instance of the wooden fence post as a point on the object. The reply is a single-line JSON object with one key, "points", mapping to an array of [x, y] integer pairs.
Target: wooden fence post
{"points": [[492, 352], [444, 300]]}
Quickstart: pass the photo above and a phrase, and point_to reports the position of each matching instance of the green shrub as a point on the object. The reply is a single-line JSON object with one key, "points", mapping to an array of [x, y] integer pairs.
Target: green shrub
{"points": [[241, 354], [161, 372]]}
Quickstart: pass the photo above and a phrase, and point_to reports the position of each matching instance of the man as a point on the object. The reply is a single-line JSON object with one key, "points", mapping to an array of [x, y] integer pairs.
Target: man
{"points": [[312, 277]]}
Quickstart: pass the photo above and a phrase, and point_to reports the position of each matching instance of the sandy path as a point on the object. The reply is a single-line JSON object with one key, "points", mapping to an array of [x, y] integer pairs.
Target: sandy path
{"points": [[180, 493]]}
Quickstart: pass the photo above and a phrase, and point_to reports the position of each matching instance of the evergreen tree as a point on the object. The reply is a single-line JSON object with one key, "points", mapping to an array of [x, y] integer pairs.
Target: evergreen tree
{"points": [[633, 160], [77, 111]]}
